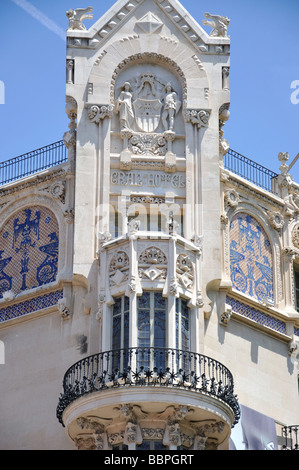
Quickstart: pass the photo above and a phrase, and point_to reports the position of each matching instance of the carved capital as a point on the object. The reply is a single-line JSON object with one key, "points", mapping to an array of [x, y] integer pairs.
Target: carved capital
{"points": [[98, 113], [200, 118]]}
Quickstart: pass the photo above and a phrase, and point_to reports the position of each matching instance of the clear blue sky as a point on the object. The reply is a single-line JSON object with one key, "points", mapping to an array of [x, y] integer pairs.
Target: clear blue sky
{"points": [[264, 65]]}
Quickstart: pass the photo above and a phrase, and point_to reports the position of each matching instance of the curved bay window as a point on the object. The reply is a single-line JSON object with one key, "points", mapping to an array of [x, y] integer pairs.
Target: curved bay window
{"points": [[152, 330]]}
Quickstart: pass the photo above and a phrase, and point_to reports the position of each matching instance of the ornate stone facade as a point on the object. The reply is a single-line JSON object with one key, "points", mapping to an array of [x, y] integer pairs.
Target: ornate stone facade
{"points": [[137, 269]]}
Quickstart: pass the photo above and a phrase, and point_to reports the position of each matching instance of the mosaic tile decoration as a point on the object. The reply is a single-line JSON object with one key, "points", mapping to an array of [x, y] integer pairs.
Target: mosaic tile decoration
{"points": [[28, 250], [251, 264], [257, 316], [29, 306]]}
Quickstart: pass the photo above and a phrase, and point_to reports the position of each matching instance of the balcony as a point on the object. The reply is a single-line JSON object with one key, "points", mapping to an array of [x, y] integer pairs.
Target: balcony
{"points": [[290, 437], [161, 387]]}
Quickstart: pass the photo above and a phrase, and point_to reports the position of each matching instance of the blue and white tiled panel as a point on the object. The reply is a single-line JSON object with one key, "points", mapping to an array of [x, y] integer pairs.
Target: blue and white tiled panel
{"points": [[31, 305], [251, 259], [28, 250], [257, 316]]}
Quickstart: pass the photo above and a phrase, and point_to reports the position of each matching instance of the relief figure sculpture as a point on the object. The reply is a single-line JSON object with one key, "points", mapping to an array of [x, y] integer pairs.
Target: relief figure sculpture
{"points": [[124, 107], [171, 107]]}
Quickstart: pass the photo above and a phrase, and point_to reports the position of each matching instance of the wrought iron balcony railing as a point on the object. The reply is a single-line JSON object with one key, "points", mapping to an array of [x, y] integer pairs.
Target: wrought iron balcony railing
{"points": [[33, 162], [148, 367], [249, 170], [290, 435]]}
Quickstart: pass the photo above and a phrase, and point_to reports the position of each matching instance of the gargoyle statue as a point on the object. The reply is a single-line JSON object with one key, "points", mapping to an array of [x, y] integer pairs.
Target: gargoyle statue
{"points": [[77, 16], [218, 23]]}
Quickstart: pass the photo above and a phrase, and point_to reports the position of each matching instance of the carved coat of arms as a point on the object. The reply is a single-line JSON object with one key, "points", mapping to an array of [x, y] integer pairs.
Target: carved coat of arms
{"points": [[147, 104]]}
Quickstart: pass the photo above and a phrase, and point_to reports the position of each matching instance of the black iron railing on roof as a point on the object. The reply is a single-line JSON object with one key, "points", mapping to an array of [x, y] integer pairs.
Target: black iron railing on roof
{"points": [[33, 162], [249, 170], [56, 153]]}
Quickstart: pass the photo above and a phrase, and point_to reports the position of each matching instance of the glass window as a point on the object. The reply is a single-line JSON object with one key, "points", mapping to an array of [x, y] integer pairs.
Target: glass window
{"points": [[152, 309], [151, 445], [182, 325], [152, 320], [120, 331], [120, 324]]}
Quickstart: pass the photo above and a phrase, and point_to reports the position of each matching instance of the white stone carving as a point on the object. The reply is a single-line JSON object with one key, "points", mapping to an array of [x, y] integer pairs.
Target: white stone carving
{"points": [[231, 198], [295, 236], [124, 107], [148, 144], [226, 315], [171, 107], [218, 23], [276, 220], [119, 268], [152, 255], [149, 23], [197, 117], [147, 104], [77, 16], [185, 270], [98, 113], [157, 262]]}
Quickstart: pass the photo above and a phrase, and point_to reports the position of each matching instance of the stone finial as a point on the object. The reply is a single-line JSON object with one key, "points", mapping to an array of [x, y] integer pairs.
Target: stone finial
{"points": [[77, 16], [218, 23]]}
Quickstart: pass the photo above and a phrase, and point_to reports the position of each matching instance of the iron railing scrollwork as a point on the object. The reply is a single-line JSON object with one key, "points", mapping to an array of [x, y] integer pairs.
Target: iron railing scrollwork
{"points": [[153, 367], [290, 436]]}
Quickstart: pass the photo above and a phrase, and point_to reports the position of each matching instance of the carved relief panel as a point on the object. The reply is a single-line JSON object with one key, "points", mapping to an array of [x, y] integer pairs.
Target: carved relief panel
{"points": [[148, 104]]}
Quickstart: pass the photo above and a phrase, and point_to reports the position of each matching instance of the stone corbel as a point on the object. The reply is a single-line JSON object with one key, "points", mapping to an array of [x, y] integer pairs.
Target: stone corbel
{"points": [[64, 308], [97, 113], [225, 315], [293, 348], [133, 435], [290, 254], [197, 117], [231, 198], [172, 435]]}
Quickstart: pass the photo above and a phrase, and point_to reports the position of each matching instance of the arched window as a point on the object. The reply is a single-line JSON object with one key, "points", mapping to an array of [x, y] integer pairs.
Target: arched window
{"points": [[251, 260]]}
